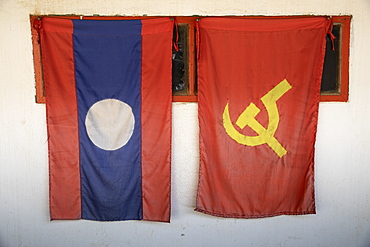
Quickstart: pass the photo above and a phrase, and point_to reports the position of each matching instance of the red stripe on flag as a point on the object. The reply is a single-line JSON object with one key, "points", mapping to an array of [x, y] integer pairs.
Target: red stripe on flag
{"points": [[64, 171], [156, 118]]}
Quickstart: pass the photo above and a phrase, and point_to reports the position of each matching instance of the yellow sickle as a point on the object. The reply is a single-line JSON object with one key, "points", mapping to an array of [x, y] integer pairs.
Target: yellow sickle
{"points": [[247, 118]]}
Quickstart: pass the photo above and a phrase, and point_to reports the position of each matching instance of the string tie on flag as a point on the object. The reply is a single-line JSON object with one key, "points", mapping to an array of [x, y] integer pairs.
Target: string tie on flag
{"points": [[37, 26], [176, 27], [197, 37], [330, 33]]}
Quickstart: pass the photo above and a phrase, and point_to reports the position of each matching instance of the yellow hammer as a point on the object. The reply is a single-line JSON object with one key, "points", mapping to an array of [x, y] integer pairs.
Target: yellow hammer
{"points": [[247, 118]]}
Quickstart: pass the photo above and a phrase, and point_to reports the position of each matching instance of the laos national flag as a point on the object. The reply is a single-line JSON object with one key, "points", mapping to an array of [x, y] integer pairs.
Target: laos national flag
{"points": [[108, 103]]}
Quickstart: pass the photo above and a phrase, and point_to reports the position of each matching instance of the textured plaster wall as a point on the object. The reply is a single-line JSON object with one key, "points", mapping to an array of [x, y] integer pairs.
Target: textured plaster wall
{"points": [[342, 148]]}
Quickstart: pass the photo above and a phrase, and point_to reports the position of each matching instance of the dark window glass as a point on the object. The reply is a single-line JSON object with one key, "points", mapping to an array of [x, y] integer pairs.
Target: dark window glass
{"points": [[180, 61], [330, 77]]}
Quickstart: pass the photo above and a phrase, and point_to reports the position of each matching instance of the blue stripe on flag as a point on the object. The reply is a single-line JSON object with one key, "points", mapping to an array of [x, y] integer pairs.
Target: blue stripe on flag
{"points": [[108, 66]]}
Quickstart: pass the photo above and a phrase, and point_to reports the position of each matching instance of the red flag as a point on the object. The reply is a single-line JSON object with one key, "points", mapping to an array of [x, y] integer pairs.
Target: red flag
{"points": [[259, 88]]}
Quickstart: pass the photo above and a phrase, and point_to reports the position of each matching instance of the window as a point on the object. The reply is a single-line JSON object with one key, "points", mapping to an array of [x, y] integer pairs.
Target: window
{"points": [[334, 86], [186, 40]]}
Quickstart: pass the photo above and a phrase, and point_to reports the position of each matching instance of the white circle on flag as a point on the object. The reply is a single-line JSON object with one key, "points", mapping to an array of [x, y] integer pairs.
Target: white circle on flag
{"points": [[110, 124]]}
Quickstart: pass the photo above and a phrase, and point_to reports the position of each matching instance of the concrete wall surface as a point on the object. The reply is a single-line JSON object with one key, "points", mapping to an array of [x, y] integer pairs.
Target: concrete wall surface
{"points": [[342, 149]]}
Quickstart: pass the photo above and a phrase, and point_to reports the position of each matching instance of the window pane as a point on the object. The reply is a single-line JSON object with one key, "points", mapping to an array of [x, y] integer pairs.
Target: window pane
{"points": [[330, 77], [180, 61]]}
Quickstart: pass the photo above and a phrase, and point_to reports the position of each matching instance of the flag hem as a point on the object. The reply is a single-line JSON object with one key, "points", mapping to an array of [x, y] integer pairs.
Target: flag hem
{"points": [[254, 216]]}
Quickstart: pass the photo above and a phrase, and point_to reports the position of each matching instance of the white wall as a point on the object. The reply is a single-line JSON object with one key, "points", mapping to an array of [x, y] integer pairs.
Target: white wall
{"points": [[342, 148]]}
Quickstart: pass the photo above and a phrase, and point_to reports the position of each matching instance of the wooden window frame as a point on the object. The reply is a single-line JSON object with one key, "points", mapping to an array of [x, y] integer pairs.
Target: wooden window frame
{"points": [[343, 75], [191, 96], [192, 72]]}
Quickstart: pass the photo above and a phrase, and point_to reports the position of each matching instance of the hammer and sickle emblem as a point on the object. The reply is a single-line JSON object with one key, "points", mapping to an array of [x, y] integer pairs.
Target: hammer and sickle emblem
{"points": [[247, 118]]}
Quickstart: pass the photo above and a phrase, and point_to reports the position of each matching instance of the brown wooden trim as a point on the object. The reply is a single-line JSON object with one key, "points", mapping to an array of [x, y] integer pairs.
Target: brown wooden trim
{"points": [[342, 96]]}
